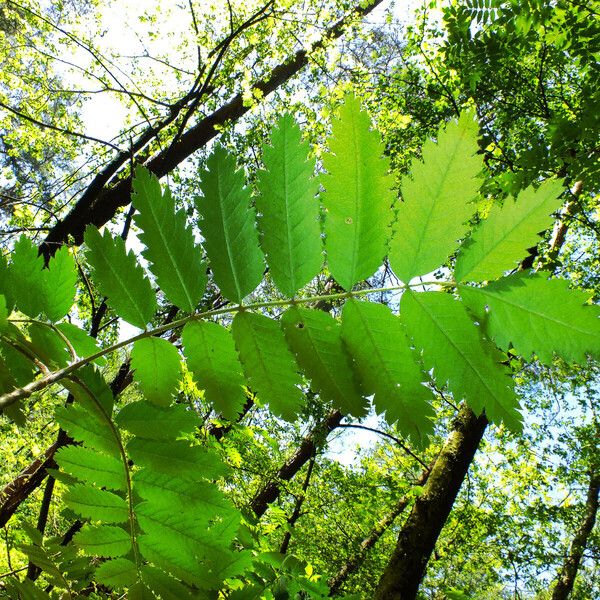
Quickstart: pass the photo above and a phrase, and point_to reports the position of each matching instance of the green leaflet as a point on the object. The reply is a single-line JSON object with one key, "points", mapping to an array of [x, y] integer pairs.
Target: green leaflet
{"points": [[59, 281], [84, 426], [103, 540], [315, 338], [268, 364], [538, 316], [387, 367], [117, 573], [20, 368], [87, 465], [98, 505], [288, 217], [148, 421], [3, 313], [174, 258], [438, 201], [119, 276], [157, 369], [37, 290], [357, 197], [228, 227], [83, 344], [211, 355], [26, 277], [170, 491], [176, 458], [501, 241], [164, 585], [6, 284], [459, 356]]}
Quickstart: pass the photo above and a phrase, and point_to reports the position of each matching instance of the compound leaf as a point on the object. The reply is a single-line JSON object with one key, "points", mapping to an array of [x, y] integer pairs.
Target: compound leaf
{"points": [[98, 505], [103, 540], [145, 420], [117, 573], [92, 467]]}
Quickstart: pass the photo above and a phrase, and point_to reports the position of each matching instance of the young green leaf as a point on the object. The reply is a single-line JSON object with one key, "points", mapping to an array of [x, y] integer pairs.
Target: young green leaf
{"points": [[92, 467], [268, 364], [156, 368], [315, 338], [387, 368], [288, 216], [459, 356], [117, 573], [438, 200], [148, 421], [228, 227], [120, 277], [538, 316], [174, 258], [26, 278], [103, 540], [59, 281], [211, 356], [98, 505], [501, 241], [357, 197]]}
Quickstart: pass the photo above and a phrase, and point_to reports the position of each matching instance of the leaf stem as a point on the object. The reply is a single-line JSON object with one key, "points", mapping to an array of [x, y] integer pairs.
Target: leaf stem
{"points": [[55, 376]]}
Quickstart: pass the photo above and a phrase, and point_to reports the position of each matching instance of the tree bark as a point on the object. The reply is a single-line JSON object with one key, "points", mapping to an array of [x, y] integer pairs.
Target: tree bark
{"points": [[418, 536], [568, 572], [100, 201], [272, 488]]}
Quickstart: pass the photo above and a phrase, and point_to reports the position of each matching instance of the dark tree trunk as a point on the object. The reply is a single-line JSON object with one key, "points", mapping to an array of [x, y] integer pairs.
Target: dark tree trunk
{"points": [[101, 200], [418, 536], [568, 572], [306, 450]]}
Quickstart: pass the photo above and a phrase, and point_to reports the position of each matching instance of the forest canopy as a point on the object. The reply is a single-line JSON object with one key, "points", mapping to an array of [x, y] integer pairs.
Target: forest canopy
{"points": [[299, 299]]}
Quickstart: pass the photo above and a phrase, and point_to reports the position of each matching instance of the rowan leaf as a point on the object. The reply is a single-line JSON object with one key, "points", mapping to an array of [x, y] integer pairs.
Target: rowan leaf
{"points": [[315, 338], [145, 420], [211, 356], [174, 258], [288, 211], [357, 197], [538, 316], [268, 364], [120, 277], [117, 573], [176, 458], [103, 540], [387, 368], [164, 585], [98, 505], [26, 277], [501, 241], [228, 227], [59, 281], [437, 200], [454, 348], [92, 467], [156, 368], [48, 345]]}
